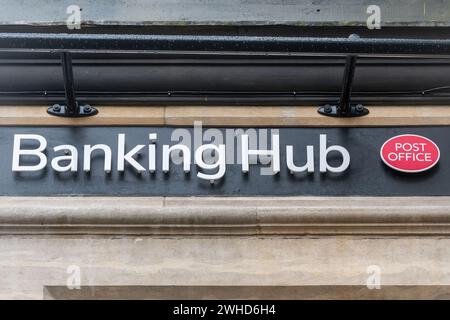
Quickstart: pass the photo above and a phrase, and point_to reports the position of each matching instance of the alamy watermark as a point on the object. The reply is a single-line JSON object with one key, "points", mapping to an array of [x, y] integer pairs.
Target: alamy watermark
{"points": [[73, 281], [74, 19], [374, 279], [374, 19]]}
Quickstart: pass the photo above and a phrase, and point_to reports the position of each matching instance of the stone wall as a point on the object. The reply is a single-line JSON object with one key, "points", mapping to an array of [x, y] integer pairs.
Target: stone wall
{"points": [[230, 12]]}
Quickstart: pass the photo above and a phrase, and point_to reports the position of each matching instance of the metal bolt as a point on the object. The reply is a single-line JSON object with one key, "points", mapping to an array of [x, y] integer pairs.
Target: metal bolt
{"points": [[56, 107], [327, 108], [359, 108], [87, 108]]}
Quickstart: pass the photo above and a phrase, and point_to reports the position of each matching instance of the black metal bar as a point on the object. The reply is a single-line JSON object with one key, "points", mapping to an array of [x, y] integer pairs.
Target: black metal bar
{"points": [[72, 108], [344, 108], [132, 99], [347, 81], [229, 44], [71, 102]]}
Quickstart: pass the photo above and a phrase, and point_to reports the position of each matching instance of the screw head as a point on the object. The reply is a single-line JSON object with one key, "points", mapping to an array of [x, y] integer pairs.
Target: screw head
{"points": [[56, 107], [327, 108], [87, 108], [359, 108]]}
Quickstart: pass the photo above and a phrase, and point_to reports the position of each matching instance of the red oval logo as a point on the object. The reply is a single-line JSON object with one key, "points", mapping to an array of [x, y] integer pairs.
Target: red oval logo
{"points": [[410, 153]]}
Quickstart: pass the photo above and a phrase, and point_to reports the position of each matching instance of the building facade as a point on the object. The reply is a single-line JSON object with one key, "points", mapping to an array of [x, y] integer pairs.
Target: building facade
{"points": [[96, 207]]}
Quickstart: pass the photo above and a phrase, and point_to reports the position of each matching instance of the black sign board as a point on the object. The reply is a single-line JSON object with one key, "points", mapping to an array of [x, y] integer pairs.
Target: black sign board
{"points": [[365, 174]]}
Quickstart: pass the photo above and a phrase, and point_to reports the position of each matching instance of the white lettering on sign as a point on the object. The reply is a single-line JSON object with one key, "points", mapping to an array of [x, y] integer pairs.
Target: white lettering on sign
{"points": [[274, 153], [211, 159], [324, 166], [410, 152], [18, 152], [220, 163], [88, 150], [122, 157], [72, 157]]}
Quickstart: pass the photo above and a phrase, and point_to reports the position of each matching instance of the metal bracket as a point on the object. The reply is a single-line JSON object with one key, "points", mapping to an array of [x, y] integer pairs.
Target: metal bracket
{"points": [[71, 109], [345, 109], [357, 110]]}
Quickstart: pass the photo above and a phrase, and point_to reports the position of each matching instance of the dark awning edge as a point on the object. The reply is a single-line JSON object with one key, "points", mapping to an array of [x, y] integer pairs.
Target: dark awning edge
{"points": [[50, 42], [247, 46]]}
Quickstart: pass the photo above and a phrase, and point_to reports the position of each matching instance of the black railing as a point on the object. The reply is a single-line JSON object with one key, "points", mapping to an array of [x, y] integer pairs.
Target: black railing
{"points": [[351, 47]]}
